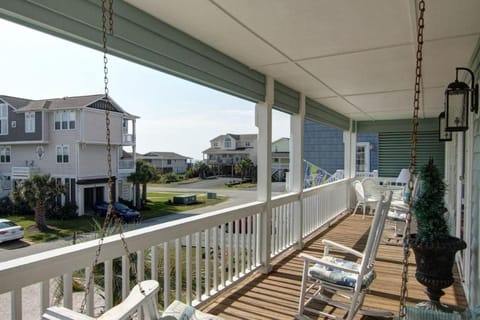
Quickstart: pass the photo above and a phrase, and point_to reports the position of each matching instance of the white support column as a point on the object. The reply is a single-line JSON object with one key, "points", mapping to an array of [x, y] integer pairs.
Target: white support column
{"points": [[263, 121], [350, 152], [296, 179]]}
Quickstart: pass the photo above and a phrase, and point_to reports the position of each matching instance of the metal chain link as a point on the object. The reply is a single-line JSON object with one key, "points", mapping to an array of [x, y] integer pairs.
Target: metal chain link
{"points": [[110, 219], [413, 158]]}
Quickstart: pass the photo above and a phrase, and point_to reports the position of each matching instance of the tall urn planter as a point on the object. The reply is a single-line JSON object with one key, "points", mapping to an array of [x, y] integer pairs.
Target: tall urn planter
{"points": [[433, 246], [434, 267]]}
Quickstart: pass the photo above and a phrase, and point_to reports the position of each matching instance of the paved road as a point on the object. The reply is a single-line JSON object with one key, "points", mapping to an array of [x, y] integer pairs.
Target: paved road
{"points": [[17, 249]]}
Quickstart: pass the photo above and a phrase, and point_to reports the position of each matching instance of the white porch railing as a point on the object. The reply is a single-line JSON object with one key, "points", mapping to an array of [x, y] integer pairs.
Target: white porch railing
{"points": [[193, 258]]}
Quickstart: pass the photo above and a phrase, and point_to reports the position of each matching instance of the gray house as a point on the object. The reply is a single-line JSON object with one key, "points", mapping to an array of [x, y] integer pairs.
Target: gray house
{"points": [[65, 137]]}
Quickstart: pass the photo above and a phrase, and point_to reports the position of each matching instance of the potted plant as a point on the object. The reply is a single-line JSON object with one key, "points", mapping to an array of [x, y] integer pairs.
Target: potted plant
{"points": [[433, 245]]}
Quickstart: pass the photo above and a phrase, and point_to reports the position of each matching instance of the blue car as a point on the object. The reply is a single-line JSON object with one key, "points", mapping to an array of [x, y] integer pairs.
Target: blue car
{"points": [[123, 212]]}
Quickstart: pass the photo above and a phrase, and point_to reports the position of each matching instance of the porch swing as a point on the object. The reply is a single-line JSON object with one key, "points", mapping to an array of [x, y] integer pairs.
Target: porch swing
{"points": [[142, 299]]}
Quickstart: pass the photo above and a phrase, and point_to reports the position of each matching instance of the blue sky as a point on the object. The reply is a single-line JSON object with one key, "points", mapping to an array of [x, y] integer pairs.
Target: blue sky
{"points": [[175, 115]]}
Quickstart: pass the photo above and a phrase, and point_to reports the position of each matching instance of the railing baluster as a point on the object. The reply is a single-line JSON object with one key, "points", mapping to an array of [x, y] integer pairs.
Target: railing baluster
{"points": [[222, 255], [178, 268], [242, 244], [91, 292], [67, 290], [207, 263], [108, 283], [230, 250], [236, 247], [44, 295], [16, 304], [125, 277], [198, 267], [166, 274], [248, 249], [154, 262], [215, 258], [188, 268], [140, 275]]}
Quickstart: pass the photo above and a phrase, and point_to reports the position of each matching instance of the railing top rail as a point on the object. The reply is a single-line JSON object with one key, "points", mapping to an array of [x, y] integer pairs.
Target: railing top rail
{"points": [[312, 190], [24, 271]]}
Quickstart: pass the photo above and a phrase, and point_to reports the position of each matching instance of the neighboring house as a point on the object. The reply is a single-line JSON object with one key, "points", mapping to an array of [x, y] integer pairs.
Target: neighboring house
{"points": [[280, 158], [66, 138], [167, 162], [227, 150]]}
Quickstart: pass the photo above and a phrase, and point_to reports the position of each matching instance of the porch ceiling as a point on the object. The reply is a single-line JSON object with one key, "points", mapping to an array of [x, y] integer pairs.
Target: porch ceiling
{"points": [[355, 57]]}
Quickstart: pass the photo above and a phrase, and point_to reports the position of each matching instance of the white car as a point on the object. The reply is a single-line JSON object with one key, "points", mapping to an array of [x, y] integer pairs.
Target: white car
{"points": [[9, 230]]}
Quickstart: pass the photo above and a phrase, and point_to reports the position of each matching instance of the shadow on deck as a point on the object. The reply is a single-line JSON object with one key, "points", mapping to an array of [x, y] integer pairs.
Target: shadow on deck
{"points": [[275, 296]]}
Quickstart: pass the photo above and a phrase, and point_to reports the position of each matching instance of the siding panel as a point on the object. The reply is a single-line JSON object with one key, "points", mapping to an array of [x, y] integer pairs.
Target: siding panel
{"points": [[394, 151]]}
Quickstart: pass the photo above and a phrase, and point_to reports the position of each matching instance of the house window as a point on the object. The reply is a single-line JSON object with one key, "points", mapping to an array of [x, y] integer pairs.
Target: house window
{"points": [[363, 157], [3, 119], [227, 143], [29, 122], [5, 154], [169, 161], [247, 144], [63, 153], [64, 120]]}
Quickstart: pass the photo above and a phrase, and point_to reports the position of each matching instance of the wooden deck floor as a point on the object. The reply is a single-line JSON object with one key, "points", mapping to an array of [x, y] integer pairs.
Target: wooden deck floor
{"points": [[275, 296]]}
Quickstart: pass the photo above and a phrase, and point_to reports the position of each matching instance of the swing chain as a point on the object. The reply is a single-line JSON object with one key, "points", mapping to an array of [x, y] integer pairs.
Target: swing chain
{"points": [[413, 158], [109, 218]]}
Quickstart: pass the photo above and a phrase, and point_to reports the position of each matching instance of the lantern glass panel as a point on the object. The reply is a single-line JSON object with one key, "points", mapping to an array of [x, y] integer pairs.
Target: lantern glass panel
{"points": [[442, 124], [457, 108]]}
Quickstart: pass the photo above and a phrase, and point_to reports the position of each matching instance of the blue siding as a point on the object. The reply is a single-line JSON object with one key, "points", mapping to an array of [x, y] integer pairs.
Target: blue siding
{"points": [[324, 146]]}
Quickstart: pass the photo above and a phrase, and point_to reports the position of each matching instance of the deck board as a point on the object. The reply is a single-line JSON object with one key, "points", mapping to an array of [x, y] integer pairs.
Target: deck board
{"points": [[275, 296]]}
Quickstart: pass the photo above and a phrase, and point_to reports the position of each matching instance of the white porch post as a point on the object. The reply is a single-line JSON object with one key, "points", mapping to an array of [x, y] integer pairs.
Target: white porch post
{"points": [[263, 121], [296, 167], [350, 147]]}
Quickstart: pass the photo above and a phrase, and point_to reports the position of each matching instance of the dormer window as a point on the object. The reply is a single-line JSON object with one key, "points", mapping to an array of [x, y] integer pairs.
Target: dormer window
{"points": [[227, 143]]}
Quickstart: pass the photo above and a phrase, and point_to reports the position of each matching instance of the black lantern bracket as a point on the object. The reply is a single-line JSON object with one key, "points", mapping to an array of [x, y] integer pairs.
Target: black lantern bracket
{"points": [[473, 89]]}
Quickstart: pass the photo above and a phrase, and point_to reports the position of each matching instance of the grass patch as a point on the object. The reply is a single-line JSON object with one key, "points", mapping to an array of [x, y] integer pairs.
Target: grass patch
{"points": [[161, 203], [158, 205], [59, 228]]}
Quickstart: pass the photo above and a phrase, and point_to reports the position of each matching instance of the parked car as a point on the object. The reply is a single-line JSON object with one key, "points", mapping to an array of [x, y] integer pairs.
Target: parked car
{"points": [[123, 212], [9, 230]]}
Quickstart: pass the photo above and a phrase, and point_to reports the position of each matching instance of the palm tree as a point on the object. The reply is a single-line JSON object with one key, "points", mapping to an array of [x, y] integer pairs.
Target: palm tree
{"points": [[40, 191], [144, 173], [243, 167]]}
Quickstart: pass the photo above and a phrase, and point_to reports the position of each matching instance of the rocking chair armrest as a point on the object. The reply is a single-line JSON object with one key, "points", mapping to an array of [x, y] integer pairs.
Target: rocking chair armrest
{"points": [[311, 259], [62, 313], [329, 243]]}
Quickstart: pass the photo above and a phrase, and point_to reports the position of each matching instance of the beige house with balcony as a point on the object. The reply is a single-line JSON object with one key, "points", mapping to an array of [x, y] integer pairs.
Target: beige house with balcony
{"points": [[65, 137], [229, 149]]}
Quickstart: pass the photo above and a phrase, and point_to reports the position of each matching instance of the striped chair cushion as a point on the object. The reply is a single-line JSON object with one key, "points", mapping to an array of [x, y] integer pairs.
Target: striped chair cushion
{"points": [[180, 311], [340, 277]]}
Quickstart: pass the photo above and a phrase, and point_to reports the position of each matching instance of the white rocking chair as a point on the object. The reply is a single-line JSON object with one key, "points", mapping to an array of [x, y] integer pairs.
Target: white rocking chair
{"points": [[143, 295], [339, 282]]}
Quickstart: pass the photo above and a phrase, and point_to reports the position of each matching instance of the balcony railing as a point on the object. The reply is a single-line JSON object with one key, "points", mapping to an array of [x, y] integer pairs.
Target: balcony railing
{"points": [[128, 139], [205, 254], [24, 172], [126, 164]]}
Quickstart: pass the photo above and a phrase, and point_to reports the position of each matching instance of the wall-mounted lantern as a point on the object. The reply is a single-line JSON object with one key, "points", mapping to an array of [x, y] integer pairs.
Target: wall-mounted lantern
{"points": [[457, 97]]}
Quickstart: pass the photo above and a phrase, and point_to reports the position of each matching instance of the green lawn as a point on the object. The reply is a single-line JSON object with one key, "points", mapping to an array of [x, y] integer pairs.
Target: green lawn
{"points": [[157, 206]]}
